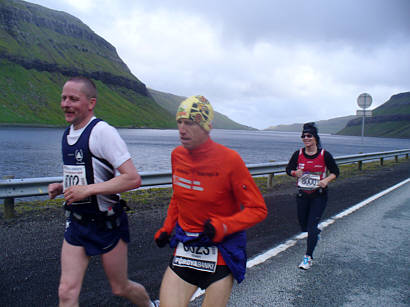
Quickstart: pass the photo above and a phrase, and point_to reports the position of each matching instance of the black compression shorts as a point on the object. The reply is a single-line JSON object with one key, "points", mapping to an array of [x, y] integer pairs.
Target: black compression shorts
{"points": [[200, 278]]}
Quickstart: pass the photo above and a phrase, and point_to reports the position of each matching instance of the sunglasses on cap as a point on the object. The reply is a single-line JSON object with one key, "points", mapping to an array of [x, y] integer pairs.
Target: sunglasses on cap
{"points": [[309, 136]]}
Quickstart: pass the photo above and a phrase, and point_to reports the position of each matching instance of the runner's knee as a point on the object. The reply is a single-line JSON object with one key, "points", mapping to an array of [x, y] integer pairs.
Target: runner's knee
{"points": [[67, 292], [313, 230]]}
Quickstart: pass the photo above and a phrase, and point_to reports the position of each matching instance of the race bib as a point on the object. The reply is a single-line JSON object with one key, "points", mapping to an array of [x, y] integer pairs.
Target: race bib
{"points": [[73, 175], [202, 258], [309, 181]]}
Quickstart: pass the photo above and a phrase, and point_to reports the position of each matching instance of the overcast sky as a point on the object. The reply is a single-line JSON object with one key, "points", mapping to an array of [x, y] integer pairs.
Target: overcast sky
{"points": [[260, 62]]}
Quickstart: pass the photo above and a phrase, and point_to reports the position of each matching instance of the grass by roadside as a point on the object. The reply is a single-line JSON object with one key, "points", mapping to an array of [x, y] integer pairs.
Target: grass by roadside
{"points": [[146, 199]]}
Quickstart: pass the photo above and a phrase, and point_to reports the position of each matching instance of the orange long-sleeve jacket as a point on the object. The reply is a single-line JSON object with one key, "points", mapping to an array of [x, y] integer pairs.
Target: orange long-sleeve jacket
{"points": [[212, 182]]}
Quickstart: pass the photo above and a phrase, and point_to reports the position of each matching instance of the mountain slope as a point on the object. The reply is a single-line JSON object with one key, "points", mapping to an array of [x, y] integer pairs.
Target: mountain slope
{"points": [[325, 126], [391, 119], [44, 39], [171, 102], [40, 48]]}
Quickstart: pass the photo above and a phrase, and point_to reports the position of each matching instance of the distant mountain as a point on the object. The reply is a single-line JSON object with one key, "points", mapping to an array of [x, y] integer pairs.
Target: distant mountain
{"points": [[331, 126], [391, 119], [171, 102]]}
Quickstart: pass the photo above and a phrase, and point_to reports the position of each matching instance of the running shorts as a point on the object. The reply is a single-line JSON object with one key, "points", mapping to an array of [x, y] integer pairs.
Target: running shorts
{"points": [[96, 239], [199, 278]]}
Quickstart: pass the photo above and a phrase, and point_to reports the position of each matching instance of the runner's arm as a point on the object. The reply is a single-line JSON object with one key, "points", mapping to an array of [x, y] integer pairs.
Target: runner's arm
{"points": [[333, 170], [127, 180], [170, 220], [172, 213], [292, 164], [331, 164], [247, 193]]}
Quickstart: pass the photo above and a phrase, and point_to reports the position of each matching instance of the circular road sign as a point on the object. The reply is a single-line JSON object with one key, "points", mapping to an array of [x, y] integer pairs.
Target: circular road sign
{"points": [[364, 100]]}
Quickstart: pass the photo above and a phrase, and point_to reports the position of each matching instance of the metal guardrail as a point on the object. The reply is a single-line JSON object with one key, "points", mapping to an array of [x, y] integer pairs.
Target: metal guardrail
{"points": [[16, 188]]}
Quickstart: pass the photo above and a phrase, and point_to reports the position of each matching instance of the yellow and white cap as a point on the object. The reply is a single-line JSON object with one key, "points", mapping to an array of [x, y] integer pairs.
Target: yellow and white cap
{"points": [[198, 109]]}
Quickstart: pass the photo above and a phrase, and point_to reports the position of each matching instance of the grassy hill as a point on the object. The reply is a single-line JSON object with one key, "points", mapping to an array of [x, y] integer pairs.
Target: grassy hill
{"points": [[32, 97], [325, 126], [171, 102], [40, 48], [391, 119]]}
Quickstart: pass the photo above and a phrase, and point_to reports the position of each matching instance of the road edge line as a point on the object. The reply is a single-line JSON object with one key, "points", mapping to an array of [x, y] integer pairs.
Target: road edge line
{"points": [[291, 242], [261, 258]]}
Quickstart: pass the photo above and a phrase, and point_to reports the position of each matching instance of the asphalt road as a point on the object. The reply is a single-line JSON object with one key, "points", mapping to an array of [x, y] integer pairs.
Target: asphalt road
{"points": [[362, 259], [30, 252]]}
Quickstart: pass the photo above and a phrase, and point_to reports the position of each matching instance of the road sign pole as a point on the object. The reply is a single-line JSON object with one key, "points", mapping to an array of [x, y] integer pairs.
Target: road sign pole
{"points": [[363, 126], [364, 100], [363, 117]]}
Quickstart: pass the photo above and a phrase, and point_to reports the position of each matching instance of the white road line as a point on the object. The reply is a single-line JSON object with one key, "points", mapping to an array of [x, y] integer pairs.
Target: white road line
{"points": [[282, 247], [291, 242]]}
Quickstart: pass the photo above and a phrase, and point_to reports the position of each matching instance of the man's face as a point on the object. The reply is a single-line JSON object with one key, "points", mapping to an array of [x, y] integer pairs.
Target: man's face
{"points": [[191, 134], [77, 107]]}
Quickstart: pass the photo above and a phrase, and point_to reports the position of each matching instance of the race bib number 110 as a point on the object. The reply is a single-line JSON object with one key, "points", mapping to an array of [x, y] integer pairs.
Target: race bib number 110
{"points": [[73, 175]]}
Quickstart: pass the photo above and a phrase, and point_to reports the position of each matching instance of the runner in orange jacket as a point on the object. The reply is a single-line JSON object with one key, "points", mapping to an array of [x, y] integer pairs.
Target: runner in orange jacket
{"points": [[214, 200]]}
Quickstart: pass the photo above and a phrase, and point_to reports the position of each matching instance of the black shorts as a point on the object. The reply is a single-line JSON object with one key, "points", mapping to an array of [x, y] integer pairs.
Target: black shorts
{"points": [[200, 278]]}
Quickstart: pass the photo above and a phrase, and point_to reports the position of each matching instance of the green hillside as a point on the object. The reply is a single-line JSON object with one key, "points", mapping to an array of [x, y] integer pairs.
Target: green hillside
{"points": [[41, 48], [36, 37], [391, 119], [171, 102]]}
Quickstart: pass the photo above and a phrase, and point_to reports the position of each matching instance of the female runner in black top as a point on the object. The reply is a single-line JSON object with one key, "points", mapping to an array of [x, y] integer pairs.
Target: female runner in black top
{"points": [[314, 168]]}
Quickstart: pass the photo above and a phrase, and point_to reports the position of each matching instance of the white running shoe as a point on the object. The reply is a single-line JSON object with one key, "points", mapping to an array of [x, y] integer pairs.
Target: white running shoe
{"points": [[155, 303], [306, 263]]}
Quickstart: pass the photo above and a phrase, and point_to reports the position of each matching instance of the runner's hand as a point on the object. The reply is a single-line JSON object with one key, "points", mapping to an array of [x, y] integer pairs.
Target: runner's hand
{"points": [[209, 230], [54, 189], [298, 173], [76, 193], [163, 239], [323, 183]]}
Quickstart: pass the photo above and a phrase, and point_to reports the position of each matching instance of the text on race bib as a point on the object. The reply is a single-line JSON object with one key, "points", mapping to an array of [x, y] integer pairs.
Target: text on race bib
{"points": [[202, 258], [73, 175], [309, 181]]}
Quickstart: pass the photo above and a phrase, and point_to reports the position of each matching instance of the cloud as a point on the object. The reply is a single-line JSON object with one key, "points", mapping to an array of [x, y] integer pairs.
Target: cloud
{"points": [[265, 62], [83, 5]]}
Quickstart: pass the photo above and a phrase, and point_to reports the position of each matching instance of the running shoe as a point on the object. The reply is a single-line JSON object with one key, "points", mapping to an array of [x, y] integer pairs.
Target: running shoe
{"points": [[155, 303], [306, 263]]}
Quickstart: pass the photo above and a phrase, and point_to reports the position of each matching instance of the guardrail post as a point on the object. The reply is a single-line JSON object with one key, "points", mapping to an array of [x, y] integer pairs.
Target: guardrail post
{"points": [[9, 208], [360, 164], [396, 159], [381, 161], [9, 203], [270, 180]]}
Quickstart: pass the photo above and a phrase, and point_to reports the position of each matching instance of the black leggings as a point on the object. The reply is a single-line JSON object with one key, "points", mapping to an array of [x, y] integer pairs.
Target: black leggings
{"points": [[310, 210]]}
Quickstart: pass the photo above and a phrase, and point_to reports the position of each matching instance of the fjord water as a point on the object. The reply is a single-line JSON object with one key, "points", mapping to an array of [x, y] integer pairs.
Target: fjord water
{"points": [[36, 152]]}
